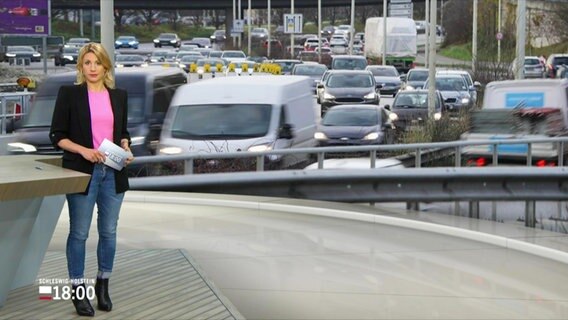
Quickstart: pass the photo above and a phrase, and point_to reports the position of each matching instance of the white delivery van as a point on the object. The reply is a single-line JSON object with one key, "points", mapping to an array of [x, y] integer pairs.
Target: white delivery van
{"points": [[247, 113], [519, 109]]}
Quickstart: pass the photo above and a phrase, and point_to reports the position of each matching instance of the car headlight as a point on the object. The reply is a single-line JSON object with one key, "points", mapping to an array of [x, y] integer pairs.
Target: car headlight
{"points": [[37, 54], [328, 96], [10, 55], [260, 148], [173, 41], [212, 37], [409, 88], [465, 100], [320, 136], [393, 116], [371, 95], [437, 116], [68, 57], [19, 147], [132, 43], [117, 42], [170, 150], [156, 40], [119, 65], [144, 64], [371, 136], [200, 71]]}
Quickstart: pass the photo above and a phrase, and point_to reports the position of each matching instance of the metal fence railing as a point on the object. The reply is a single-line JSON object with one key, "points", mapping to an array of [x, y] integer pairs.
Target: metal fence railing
{"points": [[13, 105]]}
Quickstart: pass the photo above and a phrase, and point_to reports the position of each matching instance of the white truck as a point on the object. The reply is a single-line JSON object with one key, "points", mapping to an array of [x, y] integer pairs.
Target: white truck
{"points": [[400, 42], [519, 109]]}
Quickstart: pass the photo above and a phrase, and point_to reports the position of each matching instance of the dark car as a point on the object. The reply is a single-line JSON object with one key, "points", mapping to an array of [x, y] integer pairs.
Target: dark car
{"points": [[355, 125], [21, 54], [126, 42], [167, 39], [130, 60], [312, 70], [348, 62], [455, 92], [286, 65], [552, 63], [414, 79], [218, 36], [411, 108], [67, 55], [349, 87], [387, 77], [202, 42], [327, 31]]}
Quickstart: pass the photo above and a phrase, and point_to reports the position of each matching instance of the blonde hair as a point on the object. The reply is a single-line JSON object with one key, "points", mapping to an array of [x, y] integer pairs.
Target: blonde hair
{"points": [[102, 55]]}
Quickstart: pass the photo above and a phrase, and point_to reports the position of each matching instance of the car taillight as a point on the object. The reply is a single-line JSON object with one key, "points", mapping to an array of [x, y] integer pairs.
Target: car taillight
{"points": [[18, 111], [480, 162], [543, 163]]}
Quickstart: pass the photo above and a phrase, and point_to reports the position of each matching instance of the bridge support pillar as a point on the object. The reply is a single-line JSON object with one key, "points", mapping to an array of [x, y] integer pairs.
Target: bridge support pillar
{"points": [[474, 209], [530, 214]]}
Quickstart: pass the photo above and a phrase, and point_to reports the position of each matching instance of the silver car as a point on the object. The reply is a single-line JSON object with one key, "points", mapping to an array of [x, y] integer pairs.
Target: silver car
{"points": [[455, 92]]}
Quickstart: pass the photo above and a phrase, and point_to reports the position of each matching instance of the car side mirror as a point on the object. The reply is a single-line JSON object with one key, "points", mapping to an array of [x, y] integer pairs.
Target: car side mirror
{"points": [[286, 132], [477, 84], [387, 107], [402, 77], [320, 85], [378, 86]]}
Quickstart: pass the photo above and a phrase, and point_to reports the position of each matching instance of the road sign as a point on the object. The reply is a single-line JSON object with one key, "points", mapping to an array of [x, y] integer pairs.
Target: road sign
{"points": [[499, 36], [401, 10], [293, 23], [395, 6], [238, 26]]}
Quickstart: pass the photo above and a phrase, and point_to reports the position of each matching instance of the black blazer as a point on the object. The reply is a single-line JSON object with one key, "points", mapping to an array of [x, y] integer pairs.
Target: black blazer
{"points": [[72, 120]]}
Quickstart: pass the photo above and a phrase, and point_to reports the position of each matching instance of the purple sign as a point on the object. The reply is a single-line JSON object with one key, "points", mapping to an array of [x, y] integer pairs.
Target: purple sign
{"points": [[24, 17]]}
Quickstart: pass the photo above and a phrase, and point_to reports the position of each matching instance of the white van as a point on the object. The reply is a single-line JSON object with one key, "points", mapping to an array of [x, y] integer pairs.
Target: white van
{"points": [[519, 109], [247, 113]]}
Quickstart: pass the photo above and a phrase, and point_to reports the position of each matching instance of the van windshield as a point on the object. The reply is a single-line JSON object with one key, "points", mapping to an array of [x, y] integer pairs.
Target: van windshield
{"points": [[223, 121], [41, 111]]}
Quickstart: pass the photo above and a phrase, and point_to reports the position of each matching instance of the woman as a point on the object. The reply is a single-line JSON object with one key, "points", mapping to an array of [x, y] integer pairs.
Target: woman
{"points": [[85, 114]]}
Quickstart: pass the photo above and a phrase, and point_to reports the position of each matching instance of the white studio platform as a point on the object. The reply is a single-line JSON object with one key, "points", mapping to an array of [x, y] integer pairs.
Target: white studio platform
{"points": [[294, 259]]}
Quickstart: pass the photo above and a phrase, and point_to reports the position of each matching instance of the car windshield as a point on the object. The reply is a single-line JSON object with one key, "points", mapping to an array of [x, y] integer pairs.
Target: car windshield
{"points": [[411, 100], [351, 117], [349, 81], [418, 75], [561, 60], [167, 36], [351, 64], [233, 54], [384, 72], [190, 58], [70, 50], [307, 70], [212, 62], [222, 121], [125, 38], [449, 84], [532, 62]]}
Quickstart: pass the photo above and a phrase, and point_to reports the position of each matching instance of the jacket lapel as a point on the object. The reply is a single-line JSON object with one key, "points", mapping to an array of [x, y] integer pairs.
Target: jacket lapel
{"points": [[115, 112], [84, 111]]}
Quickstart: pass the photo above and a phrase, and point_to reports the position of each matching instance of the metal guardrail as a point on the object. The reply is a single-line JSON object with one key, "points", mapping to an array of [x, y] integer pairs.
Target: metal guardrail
{"points": [[418, 149], [23, 99], [410, 185]]}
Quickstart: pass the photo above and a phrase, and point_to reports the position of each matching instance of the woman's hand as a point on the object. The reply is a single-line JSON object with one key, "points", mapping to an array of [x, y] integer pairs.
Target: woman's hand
{"points": [[125, 145], [92, 155]]}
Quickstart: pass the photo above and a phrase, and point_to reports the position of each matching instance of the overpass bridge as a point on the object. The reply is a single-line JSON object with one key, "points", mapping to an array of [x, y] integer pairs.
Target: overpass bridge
{"points": [[211, 4]]}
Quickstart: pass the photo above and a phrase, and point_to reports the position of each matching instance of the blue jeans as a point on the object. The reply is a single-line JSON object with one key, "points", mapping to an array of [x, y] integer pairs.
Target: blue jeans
{"points": [[102, 192]]}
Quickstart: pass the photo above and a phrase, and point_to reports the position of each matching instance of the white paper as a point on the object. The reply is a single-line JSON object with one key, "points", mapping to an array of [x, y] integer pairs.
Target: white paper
{"points": [[115, 156]]}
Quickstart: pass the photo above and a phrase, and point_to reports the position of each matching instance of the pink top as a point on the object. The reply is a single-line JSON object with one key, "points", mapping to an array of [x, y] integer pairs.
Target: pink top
{"points": [[102, 119]]}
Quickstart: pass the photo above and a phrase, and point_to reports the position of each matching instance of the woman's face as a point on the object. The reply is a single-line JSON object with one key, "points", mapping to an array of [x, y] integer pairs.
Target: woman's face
{"points": [[93, 70]]}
